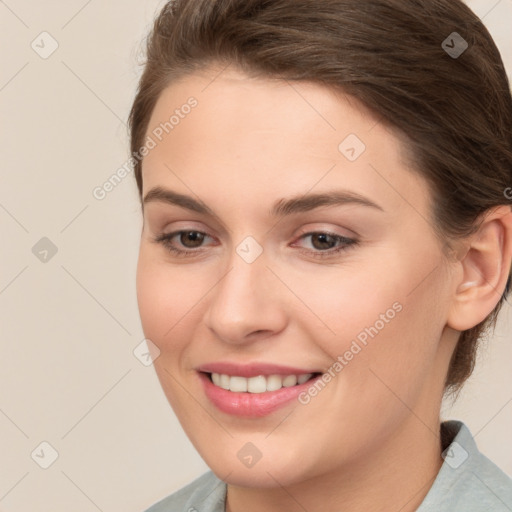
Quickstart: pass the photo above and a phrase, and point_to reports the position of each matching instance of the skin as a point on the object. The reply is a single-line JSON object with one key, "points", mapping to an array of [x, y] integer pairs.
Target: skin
{"points": [[370, 439]]}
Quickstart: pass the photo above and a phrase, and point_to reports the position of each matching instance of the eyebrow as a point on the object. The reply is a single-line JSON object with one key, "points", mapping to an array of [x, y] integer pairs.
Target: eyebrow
{"points": [[281, 208]]}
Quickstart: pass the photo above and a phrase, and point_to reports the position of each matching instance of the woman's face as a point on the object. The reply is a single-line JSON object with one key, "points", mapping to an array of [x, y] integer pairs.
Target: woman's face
{"points": [[308, 253]]}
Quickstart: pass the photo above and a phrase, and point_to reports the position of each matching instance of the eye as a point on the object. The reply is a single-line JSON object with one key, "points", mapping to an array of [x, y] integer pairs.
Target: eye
{"points": [[190, 239], [325, 244]]}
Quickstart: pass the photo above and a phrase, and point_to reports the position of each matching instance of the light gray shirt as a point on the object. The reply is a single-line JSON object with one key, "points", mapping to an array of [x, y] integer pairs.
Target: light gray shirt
{"points": [[467, 482]]}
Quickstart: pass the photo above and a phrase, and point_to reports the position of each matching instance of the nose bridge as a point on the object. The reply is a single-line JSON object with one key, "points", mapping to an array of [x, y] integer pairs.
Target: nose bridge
{"points": [[247, 271], [244, 300]]}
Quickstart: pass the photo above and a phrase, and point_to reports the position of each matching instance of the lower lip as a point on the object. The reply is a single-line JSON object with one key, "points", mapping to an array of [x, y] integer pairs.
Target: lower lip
{"points": [[251, 404]]}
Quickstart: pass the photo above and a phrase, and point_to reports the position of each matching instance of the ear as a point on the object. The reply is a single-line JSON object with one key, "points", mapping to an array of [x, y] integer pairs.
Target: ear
{"points": [[483, 271]]}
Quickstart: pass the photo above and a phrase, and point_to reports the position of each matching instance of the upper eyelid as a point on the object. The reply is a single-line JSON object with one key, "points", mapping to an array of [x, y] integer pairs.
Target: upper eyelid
{"points": [[188, 226], [155, 219]]}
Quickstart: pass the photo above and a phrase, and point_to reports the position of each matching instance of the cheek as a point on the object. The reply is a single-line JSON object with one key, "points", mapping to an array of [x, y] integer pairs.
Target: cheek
{"points": [[166, 298], [387, 352], [344, 304], [151, 298], [166, 311], [377, 321]]}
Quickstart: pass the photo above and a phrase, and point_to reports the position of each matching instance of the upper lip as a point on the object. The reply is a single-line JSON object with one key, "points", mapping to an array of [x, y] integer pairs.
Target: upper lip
{"points": [[252, 369]]}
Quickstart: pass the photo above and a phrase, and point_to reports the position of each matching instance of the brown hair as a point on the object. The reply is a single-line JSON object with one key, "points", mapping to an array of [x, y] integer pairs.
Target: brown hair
{"points": [[454, 111]]}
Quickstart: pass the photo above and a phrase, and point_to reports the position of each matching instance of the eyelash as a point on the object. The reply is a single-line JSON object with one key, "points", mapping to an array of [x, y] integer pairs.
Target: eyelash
{"points": [[165, 240]]}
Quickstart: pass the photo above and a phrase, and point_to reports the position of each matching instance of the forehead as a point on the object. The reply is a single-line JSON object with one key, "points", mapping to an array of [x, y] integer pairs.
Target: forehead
{"points": [[291, 136], [302, 110]]}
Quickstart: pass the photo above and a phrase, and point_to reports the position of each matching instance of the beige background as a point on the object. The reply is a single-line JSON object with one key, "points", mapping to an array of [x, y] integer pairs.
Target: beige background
{"points": [[69, 326]]}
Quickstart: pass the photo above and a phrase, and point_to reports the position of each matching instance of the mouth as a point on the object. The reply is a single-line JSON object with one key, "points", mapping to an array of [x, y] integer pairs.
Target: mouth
{"points": [[256, 395]]}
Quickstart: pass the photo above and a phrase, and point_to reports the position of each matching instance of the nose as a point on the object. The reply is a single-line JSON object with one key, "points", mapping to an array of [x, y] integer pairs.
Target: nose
{"points": [[246, 304]]}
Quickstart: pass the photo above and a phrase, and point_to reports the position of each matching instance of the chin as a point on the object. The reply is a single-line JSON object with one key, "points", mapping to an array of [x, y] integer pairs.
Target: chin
{"points": [[270, 471], [264, 477]]}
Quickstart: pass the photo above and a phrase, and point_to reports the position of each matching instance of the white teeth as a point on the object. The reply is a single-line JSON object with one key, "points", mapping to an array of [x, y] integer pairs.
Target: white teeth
{"points": [[238, 384], [258, 384], [289, 380], [303, 378], [274, 382], [224, 381]]}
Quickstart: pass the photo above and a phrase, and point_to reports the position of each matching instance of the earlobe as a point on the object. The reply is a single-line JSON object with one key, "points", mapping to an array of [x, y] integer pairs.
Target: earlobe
{"points": [[484, 270]]}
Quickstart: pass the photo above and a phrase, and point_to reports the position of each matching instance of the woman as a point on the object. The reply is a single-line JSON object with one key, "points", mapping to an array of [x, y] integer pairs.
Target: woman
{"points": [[327, 235]]}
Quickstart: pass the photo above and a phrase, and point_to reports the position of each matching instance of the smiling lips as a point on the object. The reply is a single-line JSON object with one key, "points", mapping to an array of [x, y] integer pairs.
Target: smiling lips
{"points": [[253, 390]]}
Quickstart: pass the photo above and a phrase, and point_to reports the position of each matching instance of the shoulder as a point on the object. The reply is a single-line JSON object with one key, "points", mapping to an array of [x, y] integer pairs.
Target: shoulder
{"points": [[206, 493], [467, 481]]}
